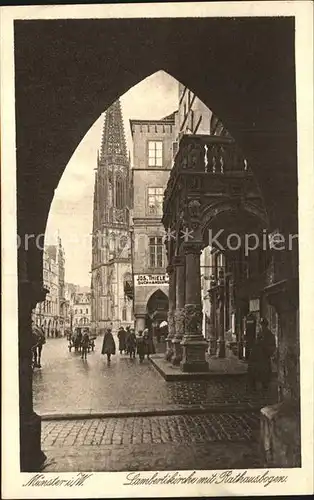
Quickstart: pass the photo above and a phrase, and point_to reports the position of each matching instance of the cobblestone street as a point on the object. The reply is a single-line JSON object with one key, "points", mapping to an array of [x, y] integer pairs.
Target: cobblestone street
{"points": [[151, 443], [208, 424], [161, 429], [67, 384]]}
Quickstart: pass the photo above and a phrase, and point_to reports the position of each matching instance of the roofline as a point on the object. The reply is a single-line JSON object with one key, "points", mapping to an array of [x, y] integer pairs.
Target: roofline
{"points": [[162, 121]]}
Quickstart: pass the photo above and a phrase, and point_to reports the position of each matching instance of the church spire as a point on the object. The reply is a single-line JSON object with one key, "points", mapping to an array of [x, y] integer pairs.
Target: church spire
{"points": [[113, 138]]}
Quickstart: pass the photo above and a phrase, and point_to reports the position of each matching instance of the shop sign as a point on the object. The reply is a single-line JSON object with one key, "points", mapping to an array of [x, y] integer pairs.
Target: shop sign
{"points": [[151, 279]]}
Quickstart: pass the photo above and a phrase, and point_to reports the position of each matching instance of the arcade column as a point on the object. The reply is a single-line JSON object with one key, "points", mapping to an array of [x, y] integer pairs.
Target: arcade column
{"points": [[179, 315], [31, 455], [172, 304], [212, 293], [140, 321], [194, 344], [221, 345], [280, 423]]}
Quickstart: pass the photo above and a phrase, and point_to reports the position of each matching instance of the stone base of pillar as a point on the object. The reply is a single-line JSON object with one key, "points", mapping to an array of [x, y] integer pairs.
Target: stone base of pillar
{"points": [[169, 350], [212, 348], [31, 455], [221, 348], [194, 358], [280, 435], [177, 352]]}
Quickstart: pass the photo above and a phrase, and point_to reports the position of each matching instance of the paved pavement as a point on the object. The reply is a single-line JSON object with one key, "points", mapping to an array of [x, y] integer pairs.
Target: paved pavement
{"points": [[68, 385], [157, 429], [153, 443]]}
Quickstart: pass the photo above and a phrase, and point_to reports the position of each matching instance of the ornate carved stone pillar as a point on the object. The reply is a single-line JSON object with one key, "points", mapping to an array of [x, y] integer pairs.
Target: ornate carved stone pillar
{"points": [[179, 263], [172, 305], [221, 345], [140, 322], [212, 292], [194, 344]]}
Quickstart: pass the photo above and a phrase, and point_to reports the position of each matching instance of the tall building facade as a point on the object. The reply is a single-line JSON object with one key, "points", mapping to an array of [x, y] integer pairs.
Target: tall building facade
{"points": [[111, 258], [82, 310], [153, 143], [50, 314]]}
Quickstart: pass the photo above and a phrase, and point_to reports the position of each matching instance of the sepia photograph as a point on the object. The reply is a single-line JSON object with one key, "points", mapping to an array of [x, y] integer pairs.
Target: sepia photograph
{"points": [[156, 288]]}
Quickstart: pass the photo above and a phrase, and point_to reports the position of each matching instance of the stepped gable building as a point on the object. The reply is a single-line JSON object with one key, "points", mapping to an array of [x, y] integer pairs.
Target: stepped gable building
{"points": [[111, 260], [81, 310], [153, 144]]}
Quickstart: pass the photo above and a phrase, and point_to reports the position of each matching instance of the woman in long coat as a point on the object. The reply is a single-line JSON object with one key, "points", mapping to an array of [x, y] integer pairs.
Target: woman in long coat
{"points": [[131, 343], [108, 345], [149, 343], [122, 339], [141, 345]]}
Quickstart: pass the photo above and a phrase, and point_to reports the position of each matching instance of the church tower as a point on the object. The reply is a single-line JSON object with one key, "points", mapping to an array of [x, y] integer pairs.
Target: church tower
{"points": [[111, 254]]}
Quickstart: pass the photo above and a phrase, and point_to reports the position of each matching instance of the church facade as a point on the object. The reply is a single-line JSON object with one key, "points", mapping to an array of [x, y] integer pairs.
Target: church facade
{"points": [[111, 258]]}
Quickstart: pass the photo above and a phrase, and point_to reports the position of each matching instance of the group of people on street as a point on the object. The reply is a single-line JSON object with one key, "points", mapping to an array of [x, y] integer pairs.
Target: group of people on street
{"points": [[129, 343], [260, 353]]}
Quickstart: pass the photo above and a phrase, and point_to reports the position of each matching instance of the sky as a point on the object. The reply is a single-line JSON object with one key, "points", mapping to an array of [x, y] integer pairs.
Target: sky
{"points": [[71, 210]]}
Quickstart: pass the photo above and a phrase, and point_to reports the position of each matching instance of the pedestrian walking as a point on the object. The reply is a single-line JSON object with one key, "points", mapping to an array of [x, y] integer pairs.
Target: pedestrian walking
{"points": [[148, 342], [127, 333], [140, 345], [259, 362], [38, 340], [122, 339], [108, 345], [131, 343], [85, 344]]}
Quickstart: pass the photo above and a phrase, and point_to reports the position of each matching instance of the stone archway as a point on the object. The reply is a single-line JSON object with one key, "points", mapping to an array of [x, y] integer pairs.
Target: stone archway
{"points": [[157, 311], [157, 306], [59, 96]]}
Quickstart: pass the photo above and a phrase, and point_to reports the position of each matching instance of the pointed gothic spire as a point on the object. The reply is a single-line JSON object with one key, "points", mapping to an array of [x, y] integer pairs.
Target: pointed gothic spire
{"points": [[113, 138]]}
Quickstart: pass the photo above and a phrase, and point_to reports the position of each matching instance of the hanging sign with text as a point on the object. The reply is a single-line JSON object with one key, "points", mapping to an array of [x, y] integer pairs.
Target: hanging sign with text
{"points": [[151, 279]]}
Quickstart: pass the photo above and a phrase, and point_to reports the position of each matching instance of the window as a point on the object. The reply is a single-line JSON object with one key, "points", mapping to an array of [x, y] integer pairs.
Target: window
{"points": [[119, 193], [110, 193], [155, 153], [86, 311], [155, 252], [124, 314], [81, 311], [155, 199], [75, 312]]}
